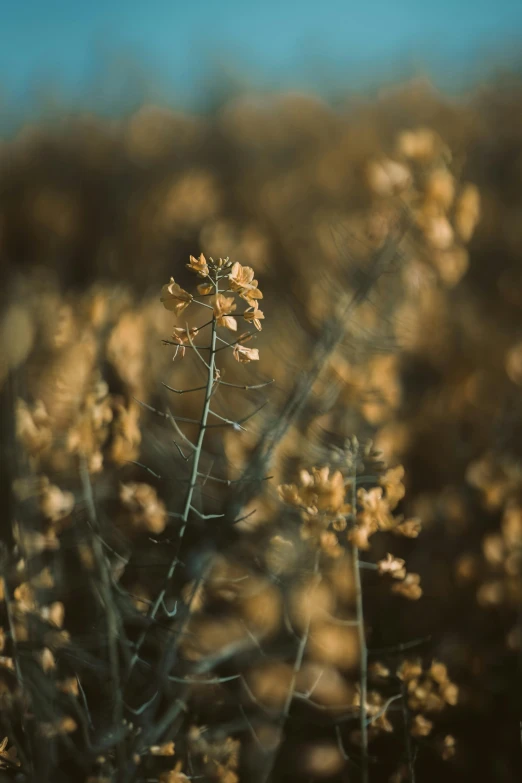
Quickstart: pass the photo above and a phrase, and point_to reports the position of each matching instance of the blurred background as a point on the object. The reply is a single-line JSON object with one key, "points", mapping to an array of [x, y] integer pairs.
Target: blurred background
{"points": [[109, 56], [303, 139]]}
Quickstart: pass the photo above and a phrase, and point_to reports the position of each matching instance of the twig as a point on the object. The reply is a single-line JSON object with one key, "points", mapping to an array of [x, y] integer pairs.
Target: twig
{"points": [[407, 735], [183, 391], [398, 648], [359, 609], [145, 467], [246, 387], [297, 668], [112, 616]]}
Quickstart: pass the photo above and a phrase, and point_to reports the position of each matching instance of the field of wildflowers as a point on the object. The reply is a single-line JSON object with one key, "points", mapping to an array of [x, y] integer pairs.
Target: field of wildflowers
{"points": [[261, 466]]}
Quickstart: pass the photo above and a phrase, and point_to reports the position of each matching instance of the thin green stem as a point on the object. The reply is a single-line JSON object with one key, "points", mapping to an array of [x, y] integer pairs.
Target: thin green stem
{"points": [[198, 448], [114, 630], [303, 641], [203, 425], [407, 735], [359, 610]]}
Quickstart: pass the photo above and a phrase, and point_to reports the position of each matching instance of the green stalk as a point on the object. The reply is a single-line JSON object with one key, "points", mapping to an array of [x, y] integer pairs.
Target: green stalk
{"points": [[359, 609], [202, 428], [363, 665], [198, 448]]}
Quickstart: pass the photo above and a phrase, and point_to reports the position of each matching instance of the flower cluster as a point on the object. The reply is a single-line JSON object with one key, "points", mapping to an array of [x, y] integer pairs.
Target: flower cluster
{"points": [[146, 511], [444, 212], [220, 277], [320, 497], [104, 426], [428, 691], [375, 511], [219, 756], [324, 500]]}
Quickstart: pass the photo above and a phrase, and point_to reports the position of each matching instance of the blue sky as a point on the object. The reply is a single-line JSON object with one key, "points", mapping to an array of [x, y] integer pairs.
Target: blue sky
{"points": [[179, 46]]}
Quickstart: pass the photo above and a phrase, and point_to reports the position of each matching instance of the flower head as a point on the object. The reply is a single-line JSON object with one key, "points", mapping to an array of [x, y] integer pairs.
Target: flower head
{"points": [[204, 289], [223, 306], [242, 280], [359, 535], [8, 754], [410, 528], [183, 336], [394, 566], [199, 265], [392, 482], [421, 726], [174, 297], [251, 294], [244, 355], [375, 510], [318, 488], [241, 277], [409, 587], [255, 316]]}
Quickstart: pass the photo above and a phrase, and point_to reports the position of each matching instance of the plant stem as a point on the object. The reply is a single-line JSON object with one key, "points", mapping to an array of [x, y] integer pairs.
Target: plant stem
{"points": [[111, 612], [363, 664], [196, 457], [359, 610], [407, 736], [297, 668]]}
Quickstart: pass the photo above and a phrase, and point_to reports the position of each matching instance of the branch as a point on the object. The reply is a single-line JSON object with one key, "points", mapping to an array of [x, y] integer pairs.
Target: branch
{"points": [[183, 391], [247, 388]]}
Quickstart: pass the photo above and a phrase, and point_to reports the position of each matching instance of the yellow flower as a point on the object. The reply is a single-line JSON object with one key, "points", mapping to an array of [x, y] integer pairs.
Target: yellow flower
{"points": [[393, 566], [375, 509], [241, 277], [409, 670], [183, 336], [199, 265], [409, 529], [174, 775], [439, 672], [318, 489], [167, 749], [280, 555], [147, 511], [322, 489], [8, 754], [421, 726], [409, 588], [242, 280], [204, 289], [244, 355], [450, 693], [359, 535], [448, 747], [255, 315], [290, 494], [251, 294], [392, 483], [174, 297], [378, 669], [223, 306]]}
